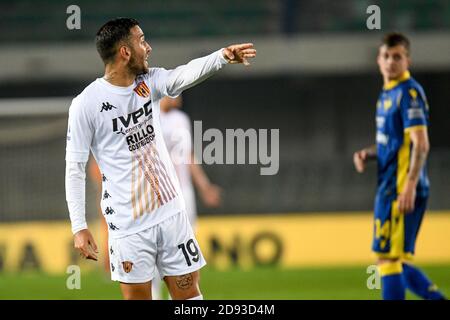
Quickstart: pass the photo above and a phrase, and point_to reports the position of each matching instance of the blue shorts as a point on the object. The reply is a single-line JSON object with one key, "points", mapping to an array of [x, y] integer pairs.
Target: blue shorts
{"points": [[395, 233]]}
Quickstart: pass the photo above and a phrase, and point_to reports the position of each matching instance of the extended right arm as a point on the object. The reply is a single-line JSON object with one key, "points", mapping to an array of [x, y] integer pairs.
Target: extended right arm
{"points": [[173, 82]]}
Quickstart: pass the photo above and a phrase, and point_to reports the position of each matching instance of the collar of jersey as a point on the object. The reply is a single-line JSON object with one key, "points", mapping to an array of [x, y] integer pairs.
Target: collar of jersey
{"points": [[117, 89], [393, 83]]}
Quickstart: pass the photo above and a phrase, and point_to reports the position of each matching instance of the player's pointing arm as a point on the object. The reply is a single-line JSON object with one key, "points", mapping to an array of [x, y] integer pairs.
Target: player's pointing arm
{"points": [[198, 70]]}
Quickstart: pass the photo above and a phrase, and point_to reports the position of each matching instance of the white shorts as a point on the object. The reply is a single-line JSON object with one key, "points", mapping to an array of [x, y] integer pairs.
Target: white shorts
{"points": [[170, 247]]}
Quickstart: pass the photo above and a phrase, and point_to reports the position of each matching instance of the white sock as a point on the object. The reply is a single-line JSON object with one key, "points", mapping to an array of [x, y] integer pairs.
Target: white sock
{"points": [[200, 297]]}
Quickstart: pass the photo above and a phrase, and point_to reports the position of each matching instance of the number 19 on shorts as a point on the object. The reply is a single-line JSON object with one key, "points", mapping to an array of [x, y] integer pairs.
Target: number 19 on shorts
{"points": [[190, 251]]}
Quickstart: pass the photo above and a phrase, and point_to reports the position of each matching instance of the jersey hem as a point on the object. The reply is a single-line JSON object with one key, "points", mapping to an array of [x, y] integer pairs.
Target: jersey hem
{"points": [[143, 227]]}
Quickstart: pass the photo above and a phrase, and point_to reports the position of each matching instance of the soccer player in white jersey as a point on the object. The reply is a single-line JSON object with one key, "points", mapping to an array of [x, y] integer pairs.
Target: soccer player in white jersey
{"points": [[177, 133], [116, 117]]}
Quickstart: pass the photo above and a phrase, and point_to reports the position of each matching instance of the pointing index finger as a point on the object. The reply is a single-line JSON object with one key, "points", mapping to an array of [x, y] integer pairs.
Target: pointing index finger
{"points": [[243, 46]]}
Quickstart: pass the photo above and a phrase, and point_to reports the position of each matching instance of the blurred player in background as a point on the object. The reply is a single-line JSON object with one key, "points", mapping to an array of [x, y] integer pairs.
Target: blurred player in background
{"points": [[401, 151], [177, 133], [117, 118]]}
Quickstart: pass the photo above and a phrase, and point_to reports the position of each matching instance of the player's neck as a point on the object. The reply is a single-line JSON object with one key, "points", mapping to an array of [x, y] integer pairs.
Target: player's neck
{"points": [[386, 80], [389, 82], [117, 76]]}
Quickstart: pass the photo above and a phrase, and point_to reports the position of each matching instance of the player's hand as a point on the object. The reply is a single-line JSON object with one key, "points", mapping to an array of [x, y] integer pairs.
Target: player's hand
{"points": [[239, 53], [407, 198], [359, 160], [212, 196], [84, 242]]}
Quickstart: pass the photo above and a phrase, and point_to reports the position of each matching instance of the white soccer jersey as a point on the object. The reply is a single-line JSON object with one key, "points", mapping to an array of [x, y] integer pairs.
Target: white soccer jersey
{"points": [[120, 126], [176, 129]]}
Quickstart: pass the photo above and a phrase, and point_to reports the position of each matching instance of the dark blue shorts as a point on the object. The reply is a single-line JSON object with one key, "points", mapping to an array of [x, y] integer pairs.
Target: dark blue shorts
{"points": [[395, 233]]}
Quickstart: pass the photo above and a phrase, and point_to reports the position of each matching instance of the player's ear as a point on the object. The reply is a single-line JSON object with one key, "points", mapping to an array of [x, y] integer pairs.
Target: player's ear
{"points": [[378, 55], [408, 59], [125, 52], [378, 58]]}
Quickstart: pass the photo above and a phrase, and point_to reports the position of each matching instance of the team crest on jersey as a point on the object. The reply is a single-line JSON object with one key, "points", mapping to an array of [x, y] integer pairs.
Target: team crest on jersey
{"points": [[127, 266], [142, 90], [387, 104]]}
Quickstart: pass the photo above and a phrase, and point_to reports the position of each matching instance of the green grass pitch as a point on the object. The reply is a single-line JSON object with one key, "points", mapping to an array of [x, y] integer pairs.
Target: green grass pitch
{"points": [[258, 283]]}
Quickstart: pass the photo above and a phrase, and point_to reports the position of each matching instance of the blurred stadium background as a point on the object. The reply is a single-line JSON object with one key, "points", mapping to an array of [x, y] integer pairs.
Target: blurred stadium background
{"points": [[303, 233]]}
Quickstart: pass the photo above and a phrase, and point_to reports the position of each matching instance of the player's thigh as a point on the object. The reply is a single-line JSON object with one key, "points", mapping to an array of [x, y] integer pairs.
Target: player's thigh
{"points": [[382, 229], [413, 221], [133, 258], [183, 287], [179, 255], [136, 291]]}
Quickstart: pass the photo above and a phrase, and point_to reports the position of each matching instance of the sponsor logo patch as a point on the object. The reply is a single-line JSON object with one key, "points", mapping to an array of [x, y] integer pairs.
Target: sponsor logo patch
{"points": [[415, 114]]}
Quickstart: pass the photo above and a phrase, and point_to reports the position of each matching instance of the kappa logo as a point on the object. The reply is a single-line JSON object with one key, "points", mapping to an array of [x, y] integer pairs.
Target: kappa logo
{"points": [[109, 210], [112, 227], [127, 266], [106, 195], [106, 106]]}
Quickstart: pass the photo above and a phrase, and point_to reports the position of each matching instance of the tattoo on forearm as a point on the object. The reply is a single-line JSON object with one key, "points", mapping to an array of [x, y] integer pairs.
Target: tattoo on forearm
{"points": [[184, 282], [418, 158]]}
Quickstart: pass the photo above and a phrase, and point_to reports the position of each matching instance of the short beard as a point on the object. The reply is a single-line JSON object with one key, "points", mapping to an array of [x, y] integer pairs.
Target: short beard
{"points": [[135, 68]]}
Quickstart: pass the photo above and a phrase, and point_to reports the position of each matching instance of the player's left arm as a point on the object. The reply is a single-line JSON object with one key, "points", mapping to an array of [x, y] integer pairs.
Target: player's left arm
{"points": [[414, 111], [173, 82], [419, 153]]}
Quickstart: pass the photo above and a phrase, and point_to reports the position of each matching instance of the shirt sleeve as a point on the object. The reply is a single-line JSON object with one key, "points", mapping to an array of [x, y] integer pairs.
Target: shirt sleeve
{"points": [[414, 109], [75, 183], [172, 82], [79, 132]]}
